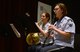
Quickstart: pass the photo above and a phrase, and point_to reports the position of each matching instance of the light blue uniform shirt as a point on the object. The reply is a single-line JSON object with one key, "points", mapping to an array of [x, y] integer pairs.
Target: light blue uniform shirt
{"points": [[66, 24]]}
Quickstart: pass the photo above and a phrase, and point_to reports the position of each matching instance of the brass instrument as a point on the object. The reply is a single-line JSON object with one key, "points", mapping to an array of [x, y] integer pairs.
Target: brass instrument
{"points": [[39, 22], [32, 39]]}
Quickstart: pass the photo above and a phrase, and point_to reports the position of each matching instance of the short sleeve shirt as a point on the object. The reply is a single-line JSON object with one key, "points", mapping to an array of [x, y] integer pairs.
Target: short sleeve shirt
{"points": [[65, 24], [42, 38]]}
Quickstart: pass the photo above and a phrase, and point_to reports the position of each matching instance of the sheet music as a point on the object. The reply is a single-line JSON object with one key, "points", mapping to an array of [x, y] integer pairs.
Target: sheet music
{"points": [[15, 31]]}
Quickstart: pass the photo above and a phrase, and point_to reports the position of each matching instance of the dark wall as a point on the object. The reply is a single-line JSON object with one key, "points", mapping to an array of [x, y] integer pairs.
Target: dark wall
{"points": [[13, 11], [10, 8]]}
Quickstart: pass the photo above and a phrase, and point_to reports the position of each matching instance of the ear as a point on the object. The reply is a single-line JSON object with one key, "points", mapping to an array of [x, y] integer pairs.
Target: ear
{"points": [[47, 18]]}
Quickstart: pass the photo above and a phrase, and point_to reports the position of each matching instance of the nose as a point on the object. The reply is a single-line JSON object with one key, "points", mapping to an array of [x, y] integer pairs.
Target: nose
{"points": [[41, 17], [53, 10]]}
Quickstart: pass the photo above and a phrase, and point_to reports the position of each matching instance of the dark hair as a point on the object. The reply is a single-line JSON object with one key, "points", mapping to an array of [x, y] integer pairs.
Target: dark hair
{"points": [[63, 7], [47, 16]]}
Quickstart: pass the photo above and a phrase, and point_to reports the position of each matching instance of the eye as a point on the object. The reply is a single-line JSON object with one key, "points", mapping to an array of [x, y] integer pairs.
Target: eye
{"points": [[42, 16], [55, 9]]}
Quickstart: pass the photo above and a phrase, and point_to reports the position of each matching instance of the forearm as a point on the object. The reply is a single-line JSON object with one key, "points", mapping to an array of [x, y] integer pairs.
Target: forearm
{"points": [[42, 31], [65, 34]]}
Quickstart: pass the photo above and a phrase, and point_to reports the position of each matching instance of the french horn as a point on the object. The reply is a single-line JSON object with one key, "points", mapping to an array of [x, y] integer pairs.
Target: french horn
{"points": [[32, 39]]}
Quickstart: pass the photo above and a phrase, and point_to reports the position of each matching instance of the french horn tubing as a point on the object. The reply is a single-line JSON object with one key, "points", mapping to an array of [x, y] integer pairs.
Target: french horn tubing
{"points": [[32, 39], [39, 22]]}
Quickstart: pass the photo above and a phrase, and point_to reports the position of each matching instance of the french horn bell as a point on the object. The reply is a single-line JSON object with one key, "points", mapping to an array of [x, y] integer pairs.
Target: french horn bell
{"points": [[32, 39]]}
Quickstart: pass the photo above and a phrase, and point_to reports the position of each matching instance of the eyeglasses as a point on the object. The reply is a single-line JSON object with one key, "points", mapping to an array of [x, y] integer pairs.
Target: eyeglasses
{"points": [[55, 9]]}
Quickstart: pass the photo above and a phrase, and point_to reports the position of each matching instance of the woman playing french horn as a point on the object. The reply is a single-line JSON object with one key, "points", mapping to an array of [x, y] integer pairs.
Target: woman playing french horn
{"points": [[43, 27]]}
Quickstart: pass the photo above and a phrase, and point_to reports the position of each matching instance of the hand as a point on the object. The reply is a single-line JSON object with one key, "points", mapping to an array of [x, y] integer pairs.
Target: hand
{"points": [[36, 23], [52, 27]]}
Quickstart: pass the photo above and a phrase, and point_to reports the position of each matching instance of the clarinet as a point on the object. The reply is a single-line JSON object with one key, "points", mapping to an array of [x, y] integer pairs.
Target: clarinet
{"points": [[46, 38]]}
